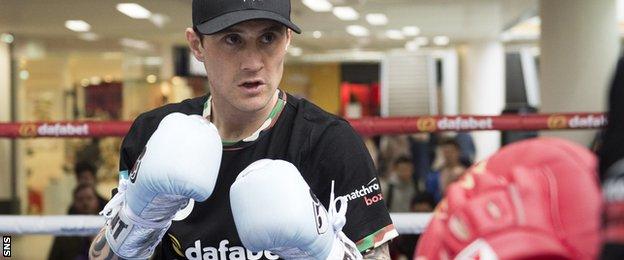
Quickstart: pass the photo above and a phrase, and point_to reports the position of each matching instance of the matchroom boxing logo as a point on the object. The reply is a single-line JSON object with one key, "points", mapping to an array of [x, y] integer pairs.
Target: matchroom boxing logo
{"points": [[371, 187]]}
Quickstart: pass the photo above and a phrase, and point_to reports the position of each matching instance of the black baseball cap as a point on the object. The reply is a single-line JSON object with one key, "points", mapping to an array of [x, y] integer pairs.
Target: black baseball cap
{"points": [[212, 16]]}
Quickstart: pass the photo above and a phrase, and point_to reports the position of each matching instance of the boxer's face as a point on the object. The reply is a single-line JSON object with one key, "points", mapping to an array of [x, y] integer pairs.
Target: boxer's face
{"points": [[244, 63]]}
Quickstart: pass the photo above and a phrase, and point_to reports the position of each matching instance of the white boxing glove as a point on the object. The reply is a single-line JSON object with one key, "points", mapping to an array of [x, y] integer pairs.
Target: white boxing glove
{"points": [[274, 209], [180, 162]]}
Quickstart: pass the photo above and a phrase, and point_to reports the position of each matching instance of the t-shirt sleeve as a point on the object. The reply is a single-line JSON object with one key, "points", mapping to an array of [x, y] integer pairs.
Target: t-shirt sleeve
{"points": [[134, 142], [344, 158]]}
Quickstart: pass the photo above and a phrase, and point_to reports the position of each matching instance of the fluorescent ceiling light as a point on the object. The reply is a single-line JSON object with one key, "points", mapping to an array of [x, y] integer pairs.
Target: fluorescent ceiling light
{"points": [[77, 25], [358, 30], [346, 13], [395, 34], [7, 38], [318, 5], [137, 44], [411, 31], [421, 41], [152, 61], [133, 10], [377, 19], [317, 34], [159, 20], [441, 40], [295, 51], [89, 36], [412, 46]]}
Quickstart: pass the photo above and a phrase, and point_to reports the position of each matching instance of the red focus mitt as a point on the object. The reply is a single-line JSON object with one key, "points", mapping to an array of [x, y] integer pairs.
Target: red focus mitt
{"points": [[535, 199]]}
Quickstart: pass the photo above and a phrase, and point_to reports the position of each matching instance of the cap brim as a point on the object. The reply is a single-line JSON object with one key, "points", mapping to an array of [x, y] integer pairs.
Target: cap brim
{"points": [[224, 21]]}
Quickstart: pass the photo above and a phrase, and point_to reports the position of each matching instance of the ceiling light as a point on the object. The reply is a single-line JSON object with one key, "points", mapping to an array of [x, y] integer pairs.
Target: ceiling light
{"points": [[151, 78], [24, 74], [77, 25], [85, 82], [7, 38], [152, 61], [395, 34], [137, 44], [317, 34], [421, 41], [358, 30], [412, 46], [89, 36], [95, 80], [133, 10], [318, 5], [346, 13], [411, 31], [441, 40], [159, 20], [377, 19], [295, 51]]}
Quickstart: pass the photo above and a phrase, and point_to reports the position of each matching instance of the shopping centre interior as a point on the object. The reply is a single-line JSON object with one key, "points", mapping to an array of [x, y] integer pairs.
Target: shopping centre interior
{"points": [[76, 60]]}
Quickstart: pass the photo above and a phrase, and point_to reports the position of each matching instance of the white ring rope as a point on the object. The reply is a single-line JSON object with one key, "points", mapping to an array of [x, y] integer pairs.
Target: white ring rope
{"points": [[88, 225]]}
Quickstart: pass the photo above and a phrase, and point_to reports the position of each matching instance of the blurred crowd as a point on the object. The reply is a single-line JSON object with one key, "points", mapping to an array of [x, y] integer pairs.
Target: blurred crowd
{"points": [[414, 172]]}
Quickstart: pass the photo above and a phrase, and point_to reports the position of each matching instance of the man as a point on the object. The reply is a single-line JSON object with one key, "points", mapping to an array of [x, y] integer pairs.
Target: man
{"points": [[401, 187], [243, 45], [452, 168], [85, 202], [85, 175]]}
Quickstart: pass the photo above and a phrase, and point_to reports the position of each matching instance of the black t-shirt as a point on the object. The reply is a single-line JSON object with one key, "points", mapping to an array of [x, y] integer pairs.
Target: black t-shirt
{"points": [[322, 146]]}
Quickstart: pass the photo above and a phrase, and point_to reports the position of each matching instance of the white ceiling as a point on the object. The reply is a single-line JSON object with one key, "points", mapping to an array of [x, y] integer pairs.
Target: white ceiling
{"points": [[461, 20]]}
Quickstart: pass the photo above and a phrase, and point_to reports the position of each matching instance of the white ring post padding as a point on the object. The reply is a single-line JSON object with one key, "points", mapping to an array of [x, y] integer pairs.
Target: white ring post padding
{"points": [[89, 225]]}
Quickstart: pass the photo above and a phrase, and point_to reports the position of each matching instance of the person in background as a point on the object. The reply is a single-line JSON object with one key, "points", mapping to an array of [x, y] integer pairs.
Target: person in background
{"points": [[85, 176], [467, 148], [403, 246], [401, 186], [452, 167], [423, 203], [85, 202]]}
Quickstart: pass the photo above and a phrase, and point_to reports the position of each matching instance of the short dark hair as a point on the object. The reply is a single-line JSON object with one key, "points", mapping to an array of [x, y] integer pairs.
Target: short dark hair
{"points": [[402, 159], [449, 141], [424, 197], [81, 167]]}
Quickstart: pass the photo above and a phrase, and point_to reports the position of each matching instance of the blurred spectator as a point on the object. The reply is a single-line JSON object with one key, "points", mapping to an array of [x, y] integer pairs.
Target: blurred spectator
{"points": [[85, 175], [85, 202], [90, 152], [423, 202], [403, 246], [401, 187], [422, 147], [432, 186], [467, 148], [451, 168], [391, 147]]}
